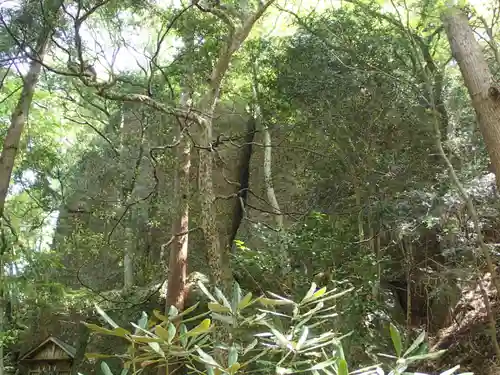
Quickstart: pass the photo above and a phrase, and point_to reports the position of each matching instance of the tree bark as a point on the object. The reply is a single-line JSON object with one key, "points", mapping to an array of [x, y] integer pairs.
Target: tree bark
{"points": [[21, 111], [177, 265], [484, 94], [218, 257]]}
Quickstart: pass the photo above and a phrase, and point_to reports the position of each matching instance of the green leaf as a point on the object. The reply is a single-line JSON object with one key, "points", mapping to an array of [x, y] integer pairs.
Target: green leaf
{"points": [[121, 332], [275, 302], [396, 339], [207, 359], [310, 292], [234, 368], [206, 292], [245, 301], [235, 301], [162, 333], [303, 338], [216, 307], [142, 322], [171, 332], [233, 356], [319, 293], [156, 347], [183, 334], [96, 328], [160, 316], [280, 337], [203, 327], [105, 368], [172, 311], [222, 297], [325, 364], [415, 344], [342, 370], [105, 316]]}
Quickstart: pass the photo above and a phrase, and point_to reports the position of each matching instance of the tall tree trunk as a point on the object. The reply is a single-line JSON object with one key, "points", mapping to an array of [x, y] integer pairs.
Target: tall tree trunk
{"points": [[2, 302], [218, 257], [484, 94], [177, 265], [21, 111], [128, 258]]}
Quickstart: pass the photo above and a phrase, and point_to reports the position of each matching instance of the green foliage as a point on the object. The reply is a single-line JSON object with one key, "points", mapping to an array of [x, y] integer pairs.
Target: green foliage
{"points": [[270, 334]]}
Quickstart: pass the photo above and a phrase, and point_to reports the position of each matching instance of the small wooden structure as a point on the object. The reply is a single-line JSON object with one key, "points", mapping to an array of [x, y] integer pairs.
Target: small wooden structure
{"points": [[51, 357]]}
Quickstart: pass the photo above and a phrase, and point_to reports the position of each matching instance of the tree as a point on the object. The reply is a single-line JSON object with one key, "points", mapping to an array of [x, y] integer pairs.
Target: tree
{"points": [[484, 94]]}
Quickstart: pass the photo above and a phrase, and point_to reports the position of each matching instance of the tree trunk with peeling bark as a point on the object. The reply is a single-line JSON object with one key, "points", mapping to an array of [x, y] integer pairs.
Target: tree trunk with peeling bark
{"points": [[20, 114], [484, 93]]}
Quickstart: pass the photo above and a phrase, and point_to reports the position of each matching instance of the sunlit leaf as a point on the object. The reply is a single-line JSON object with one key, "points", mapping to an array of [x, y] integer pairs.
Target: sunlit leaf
{"points": [[203, 327], [245, 301]]}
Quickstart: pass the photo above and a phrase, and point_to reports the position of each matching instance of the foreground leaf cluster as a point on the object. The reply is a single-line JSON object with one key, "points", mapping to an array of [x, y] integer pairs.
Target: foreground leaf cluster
{"points": [[267, 334]]}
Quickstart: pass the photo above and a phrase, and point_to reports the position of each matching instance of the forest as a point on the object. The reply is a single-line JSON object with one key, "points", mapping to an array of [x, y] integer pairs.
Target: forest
{"points": [[249, 187]]}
